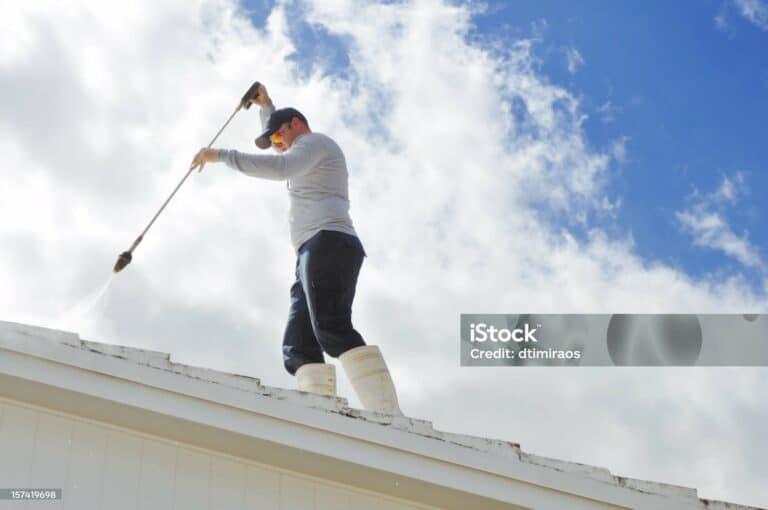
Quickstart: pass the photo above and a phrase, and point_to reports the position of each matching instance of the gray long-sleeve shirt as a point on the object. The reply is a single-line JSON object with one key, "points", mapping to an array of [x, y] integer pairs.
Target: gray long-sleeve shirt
{"points": [[316, 174]]}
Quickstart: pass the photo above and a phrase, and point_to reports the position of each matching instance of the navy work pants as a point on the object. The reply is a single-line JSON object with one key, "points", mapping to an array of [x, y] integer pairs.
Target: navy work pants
{"points": [[320, 315]]}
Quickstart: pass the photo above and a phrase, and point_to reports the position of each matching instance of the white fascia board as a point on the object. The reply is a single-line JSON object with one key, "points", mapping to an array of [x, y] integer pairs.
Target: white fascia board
{"points": [[328, 433]]}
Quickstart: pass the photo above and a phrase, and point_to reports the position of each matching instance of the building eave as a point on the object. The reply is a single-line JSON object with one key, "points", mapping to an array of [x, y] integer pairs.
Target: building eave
{"points": [[319, 436]]}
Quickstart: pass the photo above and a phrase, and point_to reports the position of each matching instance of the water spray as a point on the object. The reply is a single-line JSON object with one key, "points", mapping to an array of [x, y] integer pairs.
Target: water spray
{"points": [[125, 258]]}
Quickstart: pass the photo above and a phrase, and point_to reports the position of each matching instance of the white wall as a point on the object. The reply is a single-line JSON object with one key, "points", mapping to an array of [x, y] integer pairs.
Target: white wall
{"points": [[100, 466]]}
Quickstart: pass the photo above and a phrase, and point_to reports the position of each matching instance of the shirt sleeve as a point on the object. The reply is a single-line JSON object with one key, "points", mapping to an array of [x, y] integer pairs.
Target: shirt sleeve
{"points": [[298, 160], [264, 113]]}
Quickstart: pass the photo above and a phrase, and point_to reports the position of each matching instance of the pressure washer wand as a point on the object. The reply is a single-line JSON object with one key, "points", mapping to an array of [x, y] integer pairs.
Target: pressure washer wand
{"points": [[125, 258]]}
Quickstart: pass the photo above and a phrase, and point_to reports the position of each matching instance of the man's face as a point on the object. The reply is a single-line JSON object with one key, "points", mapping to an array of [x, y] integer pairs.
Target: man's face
{"points": [[284, 136]]}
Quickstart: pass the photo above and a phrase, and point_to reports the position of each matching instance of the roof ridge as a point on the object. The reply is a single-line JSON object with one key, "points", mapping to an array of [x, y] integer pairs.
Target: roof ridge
{"points": [[421, 427], [162, 361], [340, 405]]}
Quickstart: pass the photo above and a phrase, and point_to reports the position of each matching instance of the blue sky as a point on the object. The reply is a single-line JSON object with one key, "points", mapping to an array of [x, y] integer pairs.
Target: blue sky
{"points": [[692, 99], [683, 86]]}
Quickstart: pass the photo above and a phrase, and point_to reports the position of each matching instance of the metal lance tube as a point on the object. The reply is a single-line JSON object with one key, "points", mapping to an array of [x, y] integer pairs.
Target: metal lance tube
{"points": [[125, 258]]}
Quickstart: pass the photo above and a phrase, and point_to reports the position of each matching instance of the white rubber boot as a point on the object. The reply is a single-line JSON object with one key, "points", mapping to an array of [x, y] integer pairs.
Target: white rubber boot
{"points": [[370, 379], [317, 378]]}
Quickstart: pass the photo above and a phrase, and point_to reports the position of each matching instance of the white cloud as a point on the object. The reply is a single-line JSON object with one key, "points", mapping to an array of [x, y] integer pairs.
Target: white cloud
{"points": [[456, 150], [756, 11], [608, 112], [721, 22], [574, 59], [705, 221], [729, 189], [619, 149], [712, 231]]}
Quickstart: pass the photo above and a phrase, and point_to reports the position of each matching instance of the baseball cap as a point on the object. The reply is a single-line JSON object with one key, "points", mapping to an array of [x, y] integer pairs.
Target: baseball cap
{"points": [[277, 119]]}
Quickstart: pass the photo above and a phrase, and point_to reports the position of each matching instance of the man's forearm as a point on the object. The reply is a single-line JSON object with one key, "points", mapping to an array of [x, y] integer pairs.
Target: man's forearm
{"points": [[264, 113], [256, 165], [299, 160]]}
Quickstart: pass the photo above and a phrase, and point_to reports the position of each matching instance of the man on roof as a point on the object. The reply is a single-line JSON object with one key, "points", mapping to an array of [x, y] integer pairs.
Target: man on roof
{"points": [[329, 255]]}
